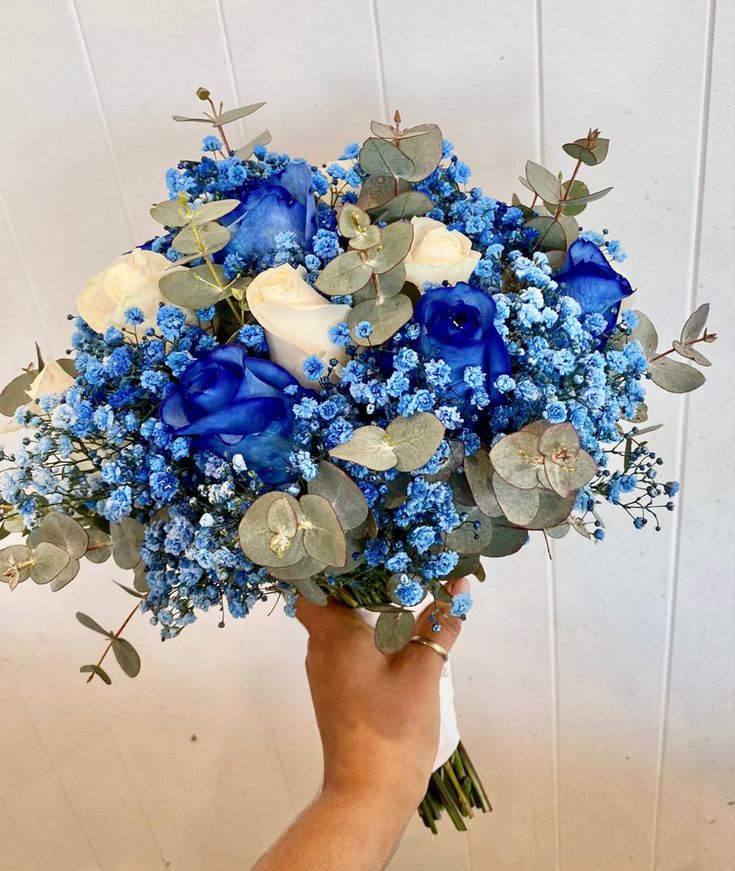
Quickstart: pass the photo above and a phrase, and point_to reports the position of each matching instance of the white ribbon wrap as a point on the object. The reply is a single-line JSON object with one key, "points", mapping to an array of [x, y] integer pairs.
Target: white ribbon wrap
{"points": [[448, 728]]}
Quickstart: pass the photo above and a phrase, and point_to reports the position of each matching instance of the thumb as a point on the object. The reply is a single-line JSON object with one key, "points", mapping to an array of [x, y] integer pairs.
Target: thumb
{"points": [[436, 614]]}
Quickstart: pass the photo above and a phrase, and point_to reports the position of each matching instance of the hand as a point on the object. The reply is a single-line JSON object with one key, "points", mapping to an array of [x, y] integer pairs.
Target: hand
{"points": [[378, 717]]}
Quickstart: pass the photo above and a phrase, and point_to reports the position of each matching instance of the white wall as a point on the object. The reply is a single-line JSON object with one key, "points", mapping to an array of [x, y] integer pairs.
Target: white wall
{"points": [[595, 692]]}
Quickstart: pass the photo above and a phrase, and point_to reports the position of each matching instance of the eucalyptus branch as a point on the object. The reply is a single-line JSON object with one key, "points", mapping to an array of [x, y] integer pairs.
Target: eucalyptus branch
{"points": [[112, 640], [707, 337]]}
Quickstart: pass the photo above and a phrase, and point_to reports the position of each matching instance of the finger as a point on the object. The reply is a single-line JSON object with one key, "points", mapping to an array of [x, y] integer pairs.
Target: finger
{"points": [[438, 613], [322, 621]]}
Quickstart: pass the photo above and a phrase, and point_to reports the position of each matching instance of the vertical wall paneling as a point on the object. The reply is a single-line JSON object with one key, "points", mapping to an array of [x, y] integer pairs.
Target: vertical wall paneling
{"points": [[695, 824]]}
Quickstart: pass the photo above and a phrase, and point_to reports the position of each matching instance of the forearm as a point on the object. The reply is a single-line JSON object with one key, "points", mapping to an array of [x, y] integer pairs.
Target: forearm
{"points": [[355, 830]]}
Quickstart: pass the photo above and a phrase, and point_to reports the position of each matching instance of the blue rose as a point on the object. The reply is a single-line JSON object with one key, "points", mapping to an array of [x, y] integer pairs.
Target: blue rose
{"points": [[284, 203], [229, 403], [457, 326], [588, 277]]}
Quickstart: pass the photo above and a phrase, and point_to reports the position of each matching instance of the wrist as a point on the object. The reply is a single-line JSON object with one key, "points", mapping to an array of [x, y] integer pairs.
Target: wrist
{"points": [[374, 791]]}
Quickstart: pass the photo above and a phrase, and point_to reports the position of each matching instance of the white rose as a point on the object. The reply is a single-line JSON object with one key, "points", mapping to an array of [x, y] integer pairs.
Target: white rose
{"points": [[130, 281], [52, 380], [296, 319], [438, 254]]}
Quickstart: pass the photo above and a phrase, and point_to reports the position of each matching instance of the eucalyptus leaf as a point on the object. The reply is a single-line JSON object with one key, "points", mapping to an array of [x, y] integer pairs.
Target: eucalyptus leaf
{"points": [[352, 220], [571, 191], [391, 283], [478, 470], [516, 458], [558, 532], [395, 243], [127, 656], [99, 546], [213, 211], [194, 287], [519, 505], [567, 476], [305, 568], [407, 205], [675, 377], [206, 238], [543, 182], [552, 510], [386, 317], [130, 590], [559, 441], [49, 562], [344, 275], [683, 350], [570, 227], [695, 324], [699, 358], [140, 579], [98, 671], [172, 213], [346, 497], [383, 131], [414, 439], [235, 114], [645, 333], [551, 233], [89, 623], [65, 532], [127, 538], [506, 539], [423, 145], [15, 394], [449, 466], [247, 150], [394, 631], [368, 446], [579, 150], [589, 152], [324, 538], [66, 576], [379, 157], [15, 564], [364, 241], [473, 535], [587, 198], [311, 591], [263, 545], [378, 190]]}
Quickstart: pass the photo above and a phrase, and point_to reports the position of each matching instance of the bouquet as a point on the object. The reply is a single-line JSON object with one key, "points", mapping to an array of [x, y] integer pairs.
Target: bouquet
{"points": [[353, 380]]}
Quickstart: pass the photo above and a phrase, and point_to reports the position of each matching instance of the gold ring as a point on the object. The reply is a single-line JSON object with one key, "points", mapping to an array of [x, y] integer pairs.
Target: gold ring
{"points": [[419, 639]]}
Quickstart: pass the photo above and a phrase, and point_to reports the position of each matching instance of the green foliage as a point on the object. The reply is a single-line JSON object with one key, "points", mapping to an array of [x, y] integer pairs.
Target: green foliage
{"points": [[407, 444], [49, 561], [404, 206], [201, 239], [386, 317], [346, 497], [127, 538], [344, 275], [127, 656], [675, 377], [198, 287], [394, 630], [15, 394]]}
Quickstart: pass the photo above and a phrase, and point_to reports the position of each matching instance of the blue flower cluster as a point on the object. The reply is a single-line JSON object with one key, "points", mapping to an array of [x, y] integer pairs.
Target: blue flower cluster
{"points": [[184, 426]]}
